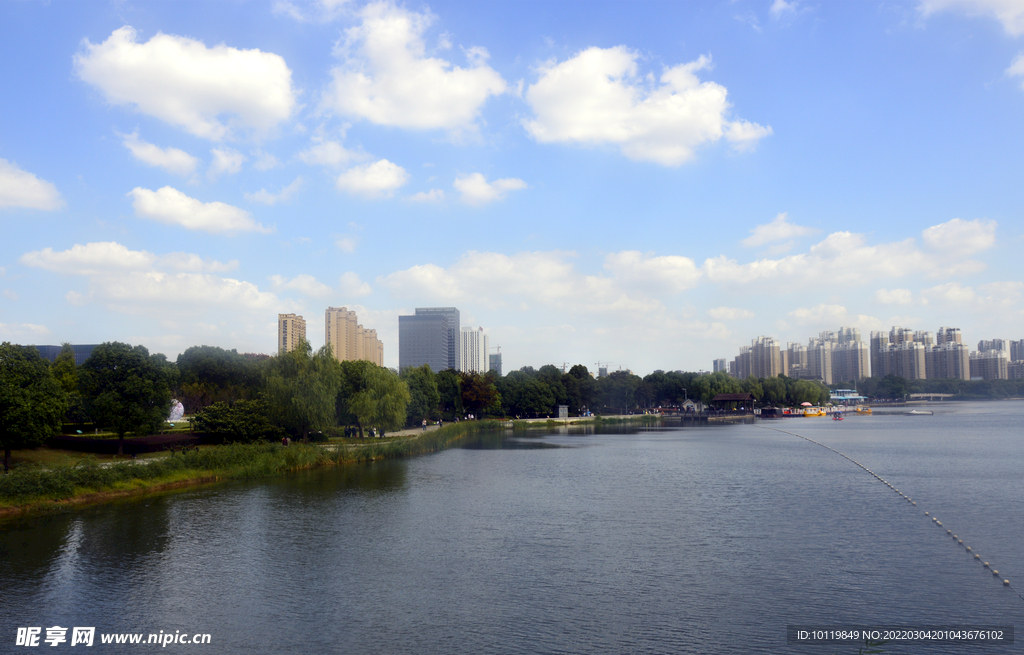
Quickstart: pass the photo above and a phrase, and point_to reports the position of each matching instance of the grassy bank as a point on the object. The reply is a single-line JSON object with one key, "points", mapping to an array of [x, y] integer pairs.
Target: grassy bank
{"points": [[37, 488]]}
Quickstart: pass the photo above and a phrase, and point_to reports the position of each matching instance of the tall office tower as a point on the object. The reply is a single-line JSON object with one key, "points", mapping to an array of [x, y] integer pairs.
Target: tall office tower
{"points": [[991, 364], [993, 344], [341, 333], [720, 365], [950, 359], [430, 336], [848, 335], [879, 340], [948, 335], [291, 328], [925, 337], [819, 360], [494, 362], [474, 344], [1017, 350], [850, 361], [765, 361]]}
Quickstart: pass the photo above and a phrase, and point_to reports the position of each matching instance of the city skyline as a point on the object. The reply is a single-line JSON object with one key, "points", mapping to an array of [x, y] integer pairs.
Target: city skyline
{"points": [[646, 185]]}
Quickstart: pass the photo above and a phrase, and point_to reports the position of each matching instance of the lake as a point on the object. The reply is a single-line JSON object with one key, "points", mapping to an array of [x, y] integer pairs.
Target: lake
{"points": [[707, 539]]}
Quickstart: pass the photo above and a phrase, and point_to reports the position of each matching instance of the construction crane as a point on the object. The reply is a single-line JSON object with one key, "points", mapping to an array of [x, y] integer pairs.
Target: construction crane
{"points": [[601, 365]]}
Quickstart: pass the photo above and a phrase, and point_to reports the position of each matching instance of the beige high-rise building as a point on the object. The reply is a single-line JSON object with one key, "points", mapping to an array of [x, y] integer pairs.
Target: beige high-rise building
{"points": [[951, 359], [850, 361], [291, 328], [819, 359], [990, 365], [350, 341]]}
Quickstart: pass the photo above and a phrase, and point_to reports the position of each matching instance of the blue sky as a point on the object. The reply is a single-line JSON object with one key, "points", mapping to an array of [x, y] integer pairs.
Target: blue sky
{"points": [[647, 184]]}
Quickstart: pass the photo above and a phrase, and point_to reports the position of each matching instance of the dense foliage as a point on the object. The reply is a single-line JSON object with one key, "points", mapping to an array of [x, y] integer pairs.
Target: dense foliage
{"points": [[32, 402]]}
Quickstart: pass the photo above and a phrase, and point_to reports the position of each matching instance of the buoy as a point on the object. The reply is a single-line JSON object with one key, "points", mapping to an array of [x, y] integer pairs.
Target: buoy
{"points": [[994, 572], [926, 514], [939, 522], [968, 548], [986, 565], [977, 556], [913, 503], [1006, 583], [949, 532]]}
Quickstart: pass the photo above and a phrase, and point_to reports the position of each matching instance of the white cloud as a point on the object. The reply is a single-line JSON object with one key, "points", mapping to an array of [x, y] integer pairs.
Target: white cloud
{"points": [[20, 188], [133, 281], [380, 178], [264, 161], [894, 296], [961, 238], [307, 285], [729, 314], [476, 190], [268, 198], [434, 195], [352, 286], [387, 78], [780, 229], [347, 243], [327, 153], [17, 332], [1016, 69], [225, 160], [780, 7], [207, 91], [821, 316], [952, 292], [171, 160], [90, 259], [598, 97], [1008, 12], [668, 273], [322, 11], [168, 205]]}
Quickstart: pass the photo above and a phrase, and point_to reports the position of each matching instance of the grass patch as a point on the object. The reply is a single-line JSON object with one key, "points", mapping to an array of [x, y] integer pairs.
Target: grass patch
{"points": [[62, 481]]}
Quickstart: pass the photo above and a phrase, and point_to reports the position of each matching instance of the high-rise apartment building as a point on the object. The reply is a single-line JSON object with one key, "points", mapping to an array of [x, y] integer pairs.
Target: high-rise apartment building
{"points": [[474, 344], [819, 359], [1017, 351], [494, 362], [797, 362], [350, 341], [1002, 345], [720, 365], [765, 359], [291, 329], [990, 365], [850, 361], [948, 335], [950, 359], [430, 336]]}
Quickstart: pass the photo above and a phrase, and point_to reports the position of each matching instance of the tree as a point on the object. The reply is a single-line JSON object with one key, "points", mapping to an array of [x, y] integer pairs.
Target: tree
{"points": [[423, 394], [32, 403], [449, 385], [478, 393], [210, 374], [242, 421], [126, 389], [372, 396], [302, 388], [66, 373]]}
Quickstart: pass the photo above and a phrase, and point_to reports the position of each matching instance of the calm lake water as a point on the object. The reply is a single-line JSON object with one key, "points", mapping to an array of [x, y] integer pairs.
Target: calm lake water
{"points": [[667, 540]]}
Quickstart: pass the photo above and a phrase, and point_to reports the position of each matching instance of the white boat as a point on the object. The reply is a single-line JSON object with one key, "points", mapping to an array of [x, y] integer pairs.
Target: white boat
{"points": [[918, 412]]}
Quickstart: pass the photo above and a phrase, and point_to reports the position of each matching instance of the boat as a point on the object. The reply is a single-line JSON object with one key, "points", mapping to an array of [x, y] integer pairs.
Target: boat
{"points": [[814, 411], [862, 409], [918, 412], [837, 417]]}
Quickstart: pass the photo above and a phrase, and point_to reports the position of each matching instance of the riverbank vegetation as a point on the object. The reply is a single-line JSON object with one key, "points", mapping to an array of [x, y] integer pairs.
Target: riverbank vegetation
{"points": [[61, 484]]}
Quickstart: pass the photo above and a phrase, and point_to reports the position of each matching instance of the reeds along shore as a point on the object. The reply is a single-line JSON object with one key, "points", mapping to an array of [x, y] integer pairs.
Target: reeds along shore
{"points": [[26, 490]]}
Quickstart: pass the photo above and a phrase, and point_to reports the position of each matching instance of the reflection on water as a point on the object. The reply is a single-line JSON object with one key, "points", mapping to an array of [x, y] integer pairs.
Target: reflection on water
{"points": [[697, 539]]}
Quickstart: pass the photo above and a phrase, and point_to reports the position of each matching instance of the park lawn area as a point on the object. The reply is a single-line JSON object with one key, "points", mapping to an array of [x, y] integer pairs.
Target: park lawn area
{"points": [[45, 457]]}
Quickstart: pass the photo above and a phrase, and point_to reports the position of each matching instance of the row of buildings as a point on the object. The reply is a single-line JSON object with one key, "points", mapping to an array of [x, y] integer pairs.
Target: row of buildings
{"points": [[433, 336], [349, 341], [843, 356]]}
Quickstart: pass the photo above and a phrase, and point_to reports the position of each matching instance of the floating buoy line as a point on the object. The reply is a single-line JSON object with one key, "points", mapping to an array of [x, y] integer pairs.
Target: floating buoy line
{"points": [[912, 502]]}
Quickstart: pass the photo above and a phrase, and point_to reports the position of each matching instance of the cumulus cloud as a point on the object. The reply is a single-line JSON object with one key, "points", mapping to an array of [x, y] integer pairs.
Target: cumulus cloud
{"points": [[1008, 12], [434, 195], [268, 198], [599, 97], [135, 281], [961, 237], [476, 190], [209, 92], [346, 243], [20, 188], [894, 296], [832, 314], [171, 160], [352, 286], [1016, 69], [326, 153], [667, 273], [19, 332], [780, 7], [780, 229], [225, 161], [729, 313], [387, 78], [380, 178], [168, 205], [320, 11], [307, 285]]}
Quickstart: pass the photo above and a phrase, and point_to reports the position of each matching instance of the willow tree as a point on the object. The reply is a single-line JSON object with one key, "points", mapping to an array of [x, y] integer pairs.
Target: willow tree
{"points": [[31, 401], [301, 388], [371, 396]]}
